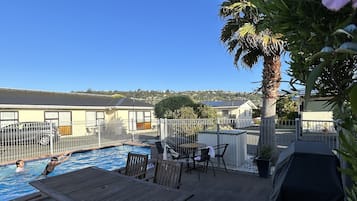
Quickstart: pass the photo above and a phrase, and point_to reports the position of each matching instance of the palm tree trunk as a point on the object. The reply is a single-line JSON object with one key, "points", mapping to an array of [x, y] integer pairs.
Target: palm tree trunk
{"points": [[270, 87]]}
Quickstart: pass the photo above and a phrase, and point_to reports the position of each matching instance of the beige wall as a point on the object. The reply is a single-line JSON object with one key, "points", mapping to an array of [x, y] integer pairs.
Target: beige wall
{"points": [[78, 125], [317, 121], [78, 117], [31, 115], [323, 116]]}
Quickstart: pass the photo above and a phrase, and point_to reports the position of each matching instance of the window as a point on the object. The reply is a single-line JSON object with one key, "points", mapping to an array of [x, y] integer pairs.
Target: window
{"points": [[94, 118], [139, 120], [61, 119], [225, 113], [7, 118]]}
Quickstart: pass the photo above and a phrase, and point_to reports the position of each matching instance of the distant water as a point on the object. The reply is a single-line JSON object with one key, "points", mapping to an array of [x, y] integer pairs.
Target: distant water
{"points": [[14, 185]]}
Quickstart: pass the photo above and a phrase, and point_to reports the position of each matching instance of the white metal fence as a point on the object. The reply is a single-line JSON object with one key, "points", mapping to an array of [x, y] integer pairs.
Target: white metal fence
{"points": [[28, 140], [40, 138], [180, 131]]}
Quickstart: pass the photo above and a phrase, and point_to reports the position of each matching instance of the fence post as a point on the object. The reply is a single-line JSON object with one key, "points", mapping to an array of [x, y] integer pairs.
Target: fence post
{"points": [[51, 138], [163, 135], [163, 129], [218, 142], [99, 132], [297, 128], [133, 129]]}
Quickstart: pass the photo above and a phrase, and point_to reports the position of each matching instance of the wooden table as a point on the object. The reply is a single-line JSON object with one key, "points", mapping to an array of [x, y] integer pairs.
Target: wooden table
{"points": [[95, 184], [193, 148]]}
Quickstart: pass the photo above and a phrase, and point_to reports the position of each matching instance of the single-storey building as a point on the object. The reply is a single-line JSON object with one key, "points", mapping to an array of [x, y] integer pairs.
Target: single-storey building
{"points": [[316, 114], [236, 109], [75, 114]]}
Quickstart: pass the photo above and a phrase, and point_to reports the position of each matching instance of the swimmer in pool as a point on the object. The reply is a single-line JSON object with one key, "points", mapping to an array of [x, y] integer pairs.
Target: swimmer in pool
{"points": [[20, 165], [54, 162]]}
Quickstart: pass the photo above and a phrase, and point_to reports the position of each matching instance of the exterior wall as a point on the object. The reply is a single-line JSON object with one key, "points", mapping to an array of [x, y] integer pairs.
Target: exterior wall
{"points": [[317, 105], [317, 121], [31, 115], [78, 119], [323, 116], [242, 112]]}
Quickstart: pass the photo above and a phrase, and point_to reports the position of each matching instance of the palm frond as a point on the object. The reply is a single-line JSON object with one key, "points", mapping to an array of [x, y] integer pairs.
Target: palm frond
{"points": [[232, 44], [231, 8], [237, 56], [251, 58], [247, 28], [229, 29]]}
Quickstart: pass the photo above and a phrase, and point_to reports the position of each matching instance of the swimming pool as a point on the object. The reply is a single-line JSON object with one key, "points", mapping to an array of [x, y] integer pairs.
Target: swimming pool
{"points": [[14, 185]]}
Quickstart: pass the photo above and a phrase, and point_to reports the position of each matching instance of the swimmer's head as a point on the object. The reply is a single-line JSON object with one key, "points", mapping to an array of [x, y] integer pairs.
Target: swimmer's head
{"points": [[54, 159], [20, 163]]}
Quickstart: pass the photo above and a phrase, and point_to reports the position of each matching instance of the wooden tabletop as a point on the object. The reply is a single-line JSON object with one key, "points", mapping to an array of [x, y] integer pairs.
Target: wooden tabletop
{"points": [[95, 184]]}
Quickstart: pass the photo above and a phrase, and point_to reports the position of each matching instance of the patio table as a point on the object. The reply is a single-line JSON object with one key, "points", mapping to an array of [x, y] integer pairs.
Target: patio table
{"points": [[193, 148], [95, 184]]}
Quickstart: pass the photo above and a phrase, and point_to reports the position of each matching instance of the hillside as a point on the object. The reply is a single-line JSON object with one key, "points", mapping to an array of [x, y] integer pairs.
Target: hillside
{"points": [[154, 97]]}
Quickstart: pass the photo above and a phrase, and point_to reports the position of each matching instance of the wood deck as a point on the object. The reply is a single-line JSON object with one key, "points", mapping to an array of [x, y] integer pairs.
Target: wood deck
{"points": [[95, 184], [223, 187]]}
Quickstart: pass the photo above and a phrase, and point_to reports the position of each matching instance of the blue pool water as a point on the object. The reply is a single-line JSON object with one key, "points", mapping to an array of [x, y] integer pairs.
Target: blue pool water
{"points": [[14, 185]]}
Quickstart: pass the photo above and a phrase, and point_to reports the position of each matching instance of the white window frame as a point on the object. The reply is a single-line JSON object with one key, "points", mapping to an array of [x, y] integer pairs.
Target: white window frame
{"points": [[7, 121]]}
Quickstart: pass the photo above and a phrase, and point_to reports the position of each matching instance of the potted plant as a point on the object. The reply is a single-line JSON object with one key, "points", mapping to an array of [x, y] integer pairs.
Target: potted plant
{"points": [[263, 160]]}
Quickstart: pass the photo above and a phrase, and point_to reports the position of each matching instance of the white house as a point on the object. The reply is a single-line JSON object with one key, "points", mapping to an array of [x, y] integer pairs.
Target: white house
{"points": [[241, 110]]}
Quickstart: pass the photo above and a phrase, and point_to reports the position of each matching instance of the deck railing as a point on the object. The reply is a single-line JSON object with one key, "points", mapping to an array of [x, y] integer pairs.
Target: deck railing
{"points": [[283, 132]]}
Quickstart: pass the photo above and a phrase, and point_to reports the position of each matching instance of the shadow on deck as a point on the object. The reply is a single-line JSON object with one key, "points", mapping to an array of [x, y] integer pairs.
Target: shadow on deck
{"points": [[233, 185]]}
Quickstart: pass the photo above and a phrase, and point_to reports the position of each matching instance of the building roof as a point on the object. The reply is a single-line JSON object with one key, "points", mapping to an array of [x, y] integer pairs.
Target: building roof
{"points": [[234, 103], [30, 97]]}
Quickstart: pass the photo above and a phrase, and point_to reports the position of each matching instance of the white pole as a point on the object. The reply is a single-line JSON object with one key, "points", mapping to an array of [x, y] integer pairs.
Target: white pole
{"points": [[99, 142], [51, 138]]}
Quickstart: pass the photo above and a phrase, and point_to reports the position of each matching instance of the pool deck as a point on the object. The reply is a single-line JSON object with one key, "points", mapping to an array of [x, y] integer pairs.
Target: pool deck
{"points": [[231, 185], [225, 186]]}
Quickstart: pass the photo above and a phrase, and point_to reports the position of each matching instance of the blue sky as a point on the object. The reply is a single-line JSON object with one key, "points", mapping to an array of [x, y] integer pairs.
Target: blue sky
{"points": [[70, 45]]}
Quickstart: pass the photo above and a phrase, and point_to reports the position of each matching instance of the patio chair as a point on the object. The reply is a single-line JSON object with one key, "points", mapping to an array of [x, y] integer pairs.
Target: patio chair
{"points": [[136, 165], [168, 173], [220, 150], [203, 160], [175, 155], [159, 148]]}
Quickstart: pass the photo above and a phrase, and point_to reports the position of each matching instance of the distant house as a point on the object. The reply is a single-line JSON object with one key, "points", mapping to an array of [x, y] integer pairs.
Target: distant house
{"points": [[238, 109], [317, 114], [74, 113]]}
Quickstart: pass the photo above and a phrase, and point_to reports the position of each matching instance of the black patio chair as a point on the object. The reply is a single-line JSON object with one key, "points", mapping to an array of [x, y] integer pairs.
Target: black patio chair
{"points": [[219, 151], [202, 161], [159, 147]]}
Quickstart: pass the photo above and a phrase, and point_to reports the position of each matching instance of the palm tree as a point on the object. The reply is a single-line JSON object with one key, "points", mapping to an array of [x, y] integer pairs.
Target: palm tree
{"points": [[243, 39]]}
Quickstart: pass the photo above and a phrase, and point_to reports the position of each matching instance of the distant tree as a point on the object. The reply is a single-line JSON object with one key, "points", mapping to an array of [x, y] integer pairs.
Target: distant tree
{"points": [[256, 112], [205, 111], [166, 107], [286, 108], [185, 113]]}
